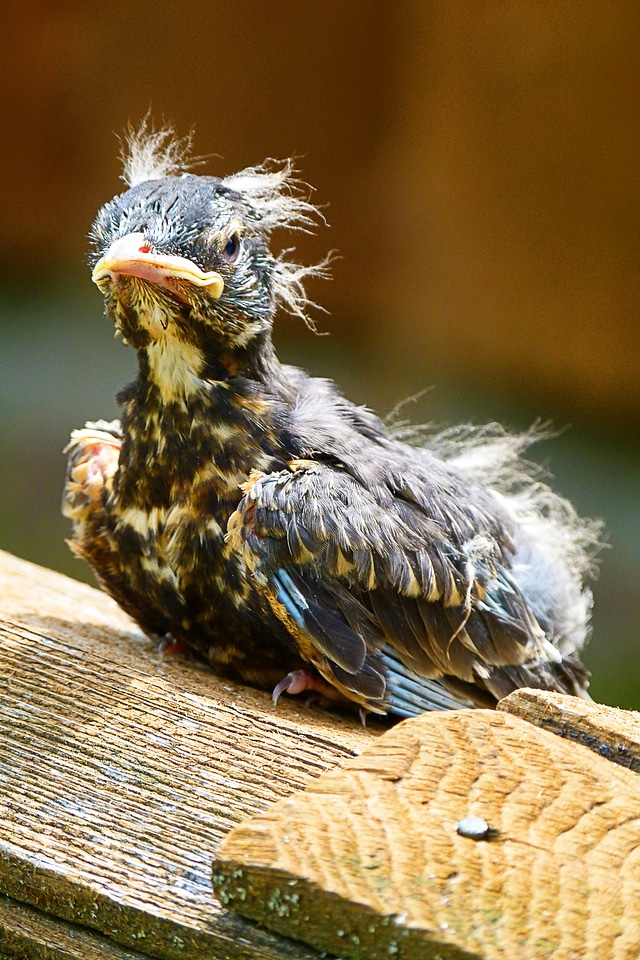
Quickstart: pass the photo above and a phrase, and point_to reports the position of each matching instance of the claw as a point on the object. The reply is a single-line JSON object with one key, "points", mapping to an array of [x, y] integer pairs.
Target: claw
{"points": [[320, 690], [295, 682], [363, 713]]}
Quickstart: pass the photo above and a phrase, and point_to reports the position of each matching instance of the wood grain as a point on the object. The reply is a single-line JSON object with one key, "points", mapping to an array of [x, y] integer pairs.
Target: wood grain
{"points": [[121, 771], [27, 934], [608, 731], [367, 860]]}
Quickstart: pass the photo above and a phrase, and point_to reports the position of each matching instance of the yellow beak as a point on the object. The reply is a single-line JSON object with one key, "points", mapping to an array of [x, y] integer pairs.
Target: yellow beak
{"points": [[130, 256]]}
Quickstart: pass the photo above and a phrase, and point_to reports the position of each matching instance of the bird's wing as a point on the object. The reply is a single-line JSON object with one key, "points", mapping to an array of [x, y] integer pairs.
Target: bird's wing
{"points": [[352, 578]]}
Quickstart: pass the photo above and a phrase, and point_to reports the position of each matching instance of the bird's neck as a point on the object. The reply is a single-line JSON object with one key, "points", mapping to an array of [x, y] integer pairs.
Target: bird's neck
{"points": [[182, 372], [181, 420]]}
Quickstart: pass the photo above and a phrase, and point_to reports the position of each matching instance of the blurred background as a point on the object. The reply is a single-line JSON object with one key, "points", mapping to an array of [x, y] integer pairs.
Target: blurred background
{"points": [[479, 163]]}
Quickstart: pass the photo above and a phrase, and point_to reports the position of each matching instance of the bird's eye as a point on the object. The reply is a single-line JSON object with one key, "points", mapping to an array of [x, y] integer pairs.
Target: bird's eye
{"points": [[231, 251]]}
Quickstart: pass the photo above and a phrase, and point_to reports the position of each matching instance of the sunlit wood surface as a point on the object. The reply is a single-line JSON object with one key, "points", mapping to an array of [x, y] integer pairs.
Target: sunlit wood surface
{"points": [[377, 860]]}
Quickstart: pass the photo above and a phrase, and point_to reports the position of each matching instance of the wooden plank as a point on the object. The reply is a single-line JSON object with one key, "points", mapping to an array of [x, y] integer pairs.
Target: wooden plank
{"points": [[608, 731], [372, 860], [121, 771], [27, 934]]}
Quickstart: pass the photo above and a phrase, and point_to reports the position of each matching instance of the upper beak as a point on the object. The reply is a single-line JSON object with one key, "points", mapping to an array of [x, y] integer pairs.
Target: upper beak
{"points": [[130, 256]]}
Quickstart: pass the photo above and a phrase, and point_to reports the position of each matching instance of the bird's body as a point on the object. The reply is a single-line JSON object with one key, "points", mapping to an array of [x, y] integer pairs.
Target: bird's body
{"points": [[257, 516]]}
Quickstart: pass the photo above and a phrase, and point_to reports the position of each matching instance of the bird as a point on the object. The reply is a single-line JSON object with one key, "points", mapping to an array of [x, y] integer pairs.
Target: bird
{"points": [[248, 512]]}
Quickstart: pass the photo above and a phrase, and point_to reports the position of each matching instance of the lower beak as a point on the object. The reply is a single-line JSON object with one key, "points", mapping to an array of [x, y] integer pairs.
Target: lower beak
{"points": [[130, 256]]}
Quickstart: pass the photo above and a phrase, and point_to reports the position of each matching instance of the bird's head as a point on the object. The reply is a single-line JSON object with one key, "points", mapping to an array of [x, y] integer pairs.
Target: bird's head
{"points": [[184, 262]]}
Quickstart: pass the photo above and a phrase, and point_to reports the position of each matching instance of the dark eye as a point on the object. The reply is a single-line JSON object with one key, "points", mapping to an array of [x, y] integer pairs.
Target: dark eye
{"points": [[231, 251]]}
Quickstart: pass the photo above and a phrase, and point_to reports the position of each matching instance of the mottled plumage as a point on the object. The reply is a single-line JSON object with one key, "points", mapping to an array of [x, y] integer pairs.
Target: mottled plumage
{"points": [[255, 515]]}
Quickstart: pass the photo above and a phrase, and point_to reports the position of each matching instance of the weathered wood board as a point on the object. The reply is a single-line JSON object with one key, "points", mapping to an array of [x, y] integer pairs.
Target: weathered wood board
{"points": [[121, 771], [367, 861], [608, 731]]}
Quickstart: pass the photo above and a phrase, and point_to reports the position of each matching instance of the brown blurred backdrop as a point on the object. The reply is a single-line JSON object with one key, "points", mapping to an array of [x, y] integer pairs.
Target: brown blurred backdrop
{"points": [[480, 165]]}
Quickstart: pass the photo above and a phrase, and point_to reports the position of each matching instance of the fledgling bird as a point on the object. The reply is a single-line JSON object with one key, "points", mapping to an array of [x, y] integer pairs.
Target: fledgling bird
{"points": [[251, 513]]}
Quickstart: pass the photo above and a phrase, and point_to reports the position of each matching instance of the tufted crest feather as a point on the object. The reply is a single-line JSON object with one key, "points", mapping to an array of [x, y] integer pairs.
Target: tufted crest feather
{"points": [[149, 154], [280, 200]]}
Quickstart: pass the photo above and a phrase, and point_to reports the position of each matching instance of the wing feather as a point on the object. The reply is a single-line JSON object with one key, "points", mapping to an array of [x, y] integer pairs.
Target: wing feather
{"points": [[357, 573]]}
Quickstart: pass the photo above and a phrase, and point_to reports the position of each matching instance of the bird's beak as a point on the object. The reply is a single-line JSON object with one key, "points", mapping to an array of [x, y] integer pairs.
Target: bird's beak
{"points": [[131, 256]]}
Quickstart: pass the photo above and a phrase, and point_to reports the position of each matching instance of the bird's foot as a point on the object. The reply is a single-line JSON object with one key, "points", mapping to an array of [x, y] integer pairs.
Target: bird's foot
{"points": [[319, 692], [170, 644], [300, 681]]}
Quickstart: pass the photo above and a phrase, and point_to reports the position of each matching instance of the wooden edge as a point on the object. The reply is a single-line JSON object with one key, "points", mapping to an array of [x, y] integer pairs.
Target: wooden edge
{"points": [[69, 905], [28, 934], [71, 902], [608, 731], [281, 902]]}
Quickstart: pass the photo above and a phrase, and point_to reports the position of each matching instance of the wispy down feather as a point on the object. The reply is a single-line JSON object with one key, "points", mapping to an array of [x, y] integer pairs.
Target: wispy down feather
{"points": [[277, 196], [149, 154], [280, 200]]}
